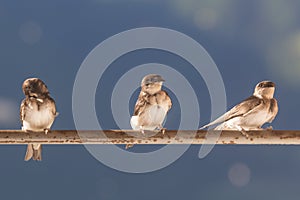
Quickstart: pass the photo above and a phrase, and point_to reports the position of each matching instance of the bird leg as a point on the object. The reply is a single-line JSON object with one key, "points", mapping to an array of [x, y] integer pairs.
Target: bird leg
{"points": [[243, 131], [46, 130], [161, 129], [142, 130]]}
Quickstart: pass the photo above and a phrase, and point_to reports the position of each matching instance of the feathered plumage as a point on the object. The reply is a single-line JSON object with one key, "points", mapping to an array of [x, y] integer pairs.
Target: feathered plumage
{"points": [[252, 113], [152, 105], [37, 113]]}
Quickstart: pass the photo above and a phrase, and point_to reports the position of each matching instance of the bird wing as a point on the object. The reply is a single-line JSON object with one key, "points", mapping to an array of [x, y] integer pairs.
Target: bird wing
{"points": [[53, 107], [22, 110], [141, 103], [244, 108], [163, 97], [273, 109], [168, 99]]}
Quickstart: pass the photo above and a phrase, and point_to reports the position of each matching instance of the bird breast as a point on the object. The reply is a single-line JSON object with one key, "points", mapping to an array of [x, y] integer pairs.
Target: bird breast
{"points": [[152, 117], [258, 118], [156, 114], [38, 117]]}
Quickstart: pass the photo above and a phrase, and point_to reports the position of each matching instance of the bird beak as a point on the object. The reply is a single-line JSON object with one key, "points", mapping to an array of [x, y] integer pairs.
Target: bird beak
{"points": [[270, 84], [40, 100], [158, 79], [32, 94]]}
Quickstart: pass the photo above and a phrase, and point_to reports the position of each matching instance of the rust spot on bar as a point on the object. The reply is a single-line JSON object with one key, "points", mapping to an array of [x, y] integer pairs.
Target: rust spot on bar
{"points": [[288, 137], [200, 136]]}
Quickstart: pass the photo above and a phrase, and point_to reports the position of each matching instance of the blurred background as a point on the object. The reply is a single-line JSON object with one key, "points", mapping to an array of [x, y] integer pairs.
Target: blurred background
{"points": [[249, 41]]}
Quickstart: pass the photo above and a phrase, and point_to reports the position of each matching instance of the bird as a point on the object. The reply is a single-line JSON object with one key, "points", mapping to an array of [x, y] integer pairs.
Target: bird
{"points": [[252, 113], [152, 105], [37, 113]]}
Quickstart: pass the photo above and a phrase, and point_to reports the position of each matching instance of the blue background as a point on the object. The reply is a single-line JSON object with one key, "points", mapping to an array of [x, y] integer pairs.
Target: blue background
{"points": [[249, 41]]}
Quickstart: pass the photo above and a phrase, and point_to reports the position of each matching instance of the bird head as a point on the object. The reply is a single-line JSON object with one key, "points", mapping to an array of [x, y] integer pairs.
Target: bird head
{"points": [[34, 87], [265, 89], [152, 83]]}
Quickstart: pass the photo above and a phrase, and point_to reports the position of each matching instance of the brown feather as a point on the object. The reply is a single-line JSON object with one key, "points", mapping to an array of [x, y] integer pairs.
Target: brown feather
{"points": [[145, 99], [243, 108]]}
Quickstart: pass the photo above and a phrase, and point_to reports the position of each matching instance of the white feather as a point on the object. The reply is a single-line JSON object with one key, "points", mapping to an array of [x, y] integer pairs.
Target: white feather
{"points": [[38, 119], [151, 119]]}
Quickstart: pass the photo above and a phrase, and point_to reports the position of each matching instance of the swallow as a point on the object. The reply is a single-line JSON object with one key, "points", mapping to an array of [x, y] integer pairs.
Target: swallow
{"points": [[152, 105], [252, 113], [37, 113]]}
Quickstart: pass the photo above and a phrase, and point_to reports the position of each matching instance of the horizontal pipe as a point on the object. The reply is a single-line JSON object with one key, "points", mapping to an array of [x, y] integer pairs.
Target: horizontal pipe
{"points": [[282, 137]]}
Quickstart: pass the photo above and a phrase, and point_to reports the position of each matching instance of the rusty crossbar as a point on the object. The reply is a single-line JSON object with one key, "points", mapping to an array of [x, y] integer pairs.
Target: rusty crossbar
{"points": [[282, 137]]}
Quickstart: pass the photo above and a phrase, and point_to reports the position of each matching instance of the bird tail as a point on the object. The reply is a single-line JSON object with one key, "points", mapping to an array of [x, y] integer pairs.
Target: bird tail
{"points": [[33, 151], [220, 127], [217, 121], [204, 127]]}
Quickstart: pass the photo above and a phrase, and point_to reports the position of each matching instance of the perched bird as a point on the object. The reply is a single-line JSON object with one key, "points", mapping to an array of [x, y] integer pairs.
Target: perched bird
{"points": [[37, 113], [152, 105], [252, 113]]}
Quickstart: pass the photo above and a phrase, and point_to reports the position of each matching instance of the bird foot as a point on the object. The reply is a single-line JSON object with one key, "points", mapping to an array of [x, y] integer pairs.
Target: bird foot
{"points": [[244, 133], [269, 128], [163, 130], [46, 130], [142, 130]]}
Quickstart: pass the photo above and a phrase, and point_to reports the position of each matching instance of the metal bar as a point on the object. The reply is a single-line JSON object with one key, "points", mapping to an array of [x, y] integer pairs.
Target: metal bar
{"points": [[281, 137]]}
